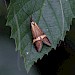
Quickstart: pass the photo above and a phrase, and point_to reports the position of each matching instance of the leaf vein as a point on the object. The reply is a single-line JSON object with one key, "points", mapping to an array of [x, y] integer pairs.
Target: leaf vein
{"points": [[47, 27], [18, 30], [54, 14]]}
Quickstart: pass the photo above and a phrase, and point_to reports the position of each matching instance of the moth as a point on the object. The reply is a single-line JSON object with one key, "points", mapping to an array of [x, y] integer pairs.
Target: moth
{"points": [[38, 36]]}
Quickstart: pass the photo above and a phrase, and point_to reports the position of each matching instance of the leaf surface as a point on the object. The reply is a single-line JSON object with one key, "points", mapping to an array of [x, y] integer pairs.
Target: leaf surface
{"points": [[53, 17]]}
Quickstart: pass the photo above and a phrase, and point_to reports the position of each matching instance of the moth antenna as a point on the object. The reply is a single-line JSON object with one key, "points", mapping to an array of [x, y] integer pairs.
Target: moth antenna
{"points": [[31, 18]]}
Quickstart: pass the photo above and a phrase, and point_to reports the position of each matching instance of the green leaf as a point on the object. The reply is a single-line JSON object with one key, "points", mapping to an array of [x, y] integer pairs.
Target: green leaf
{"points": [[53, 17]]}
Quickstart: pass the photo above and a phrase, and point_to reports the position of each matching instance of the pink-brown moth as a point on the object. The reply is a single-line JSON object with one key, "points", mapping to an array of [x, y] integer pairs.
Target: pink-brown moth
{"points": [[38, 36]]}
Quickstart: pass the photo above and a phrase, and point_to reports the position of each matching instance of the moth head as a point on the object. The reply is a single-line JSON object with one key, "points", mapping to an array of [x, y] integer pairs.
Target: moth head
{"points": [[32, 23]]}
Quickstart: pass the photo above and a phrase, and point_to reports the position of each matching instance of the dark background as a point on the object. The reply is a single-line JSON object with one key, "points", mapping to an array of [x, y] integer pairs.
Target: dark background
{"points": [[58, 62]]}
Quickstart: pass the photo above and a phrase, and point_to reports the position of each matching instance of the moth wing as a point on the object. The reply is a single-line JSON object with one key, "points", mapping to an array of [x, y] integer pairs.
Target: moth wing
{"points": [[46, 41], [38, 45], [36, 31]]}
